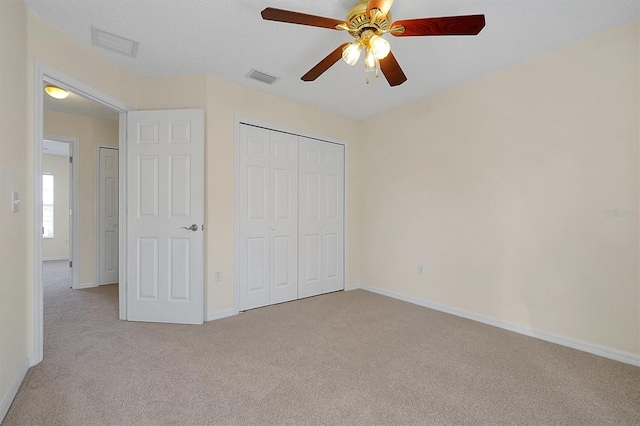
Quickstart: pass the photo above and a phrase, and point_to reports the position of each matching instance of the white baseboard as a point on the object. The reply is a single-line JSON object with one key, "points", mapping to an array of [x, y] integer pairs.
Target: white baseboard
{"points": [[83, 286], [50, 259], [8, 397], [625, 357], [212, 316], [354, 286], [33, 360]]}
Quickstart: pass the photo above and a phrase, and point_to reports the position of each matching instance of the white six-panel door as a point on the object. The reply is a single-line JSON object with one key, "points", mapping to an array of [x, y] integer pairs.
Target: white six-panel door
{"points": [[321, 223], [268, 216], [283, 241], [108, 211], [165, 216]]}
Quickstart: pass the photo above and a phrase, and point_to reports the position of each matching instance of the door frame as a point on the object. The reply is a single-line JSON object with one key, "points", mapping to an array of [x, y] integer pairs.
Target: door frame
{"points": [[96, 212], [43, 73], [239, 120], [74, 218]]}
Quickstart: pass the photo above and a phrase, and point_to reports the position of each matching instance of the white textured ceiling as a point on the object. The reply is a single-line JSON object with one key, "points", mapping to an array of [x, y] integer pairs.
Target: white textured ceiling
{"points": [[79, 105], [227, 38]]}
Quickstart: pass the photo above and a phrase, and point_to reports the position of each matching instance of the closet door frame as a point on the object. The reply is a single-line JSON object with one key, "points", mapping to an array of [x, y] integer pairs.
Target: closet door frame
{"points": [[239, 120]]}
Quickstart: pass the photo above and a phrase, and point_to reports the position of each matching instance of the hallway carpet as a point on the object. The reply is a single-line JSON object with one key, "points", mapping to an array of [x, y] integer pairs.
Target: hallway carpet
{"points": [[343, 358]]}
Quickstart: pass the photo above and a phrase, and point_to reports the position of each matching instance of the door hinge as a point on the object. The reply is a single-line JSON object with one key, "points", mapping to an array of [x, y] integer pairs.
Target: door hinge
{"points": [[71, 159], [71, 264], [203, 227]]}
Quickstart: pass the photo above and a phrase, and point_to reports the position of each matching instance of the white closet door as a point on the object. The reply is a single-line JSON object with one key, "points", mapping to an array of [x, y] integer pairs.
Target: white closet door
{"points": [[254, 226], [310, 227], [333, 219], [283, 238], [268, 258], [321, 227]]}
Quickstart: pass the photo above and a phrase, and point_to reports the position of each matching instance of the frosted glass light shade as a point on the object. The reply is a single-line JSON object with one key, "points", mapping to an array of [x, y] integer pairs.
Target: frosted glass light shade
{"points": [[351, 53], [380, 47], [56, 92], [370, 60]]}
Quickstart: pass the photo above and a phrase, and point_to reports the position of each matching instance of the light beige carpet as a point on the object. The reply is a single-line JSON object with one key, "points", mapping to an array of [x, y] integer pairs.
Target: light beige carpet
{"points": [[343, 358]]}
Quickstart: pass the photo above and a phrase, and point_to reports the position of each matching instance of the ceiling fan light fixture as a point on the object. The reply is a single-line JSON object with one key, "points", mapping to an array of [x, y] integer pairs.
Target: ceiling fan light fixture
{"points": [[351, 52], [56, 92], [370, 61], [367, 22], [380, 47]]}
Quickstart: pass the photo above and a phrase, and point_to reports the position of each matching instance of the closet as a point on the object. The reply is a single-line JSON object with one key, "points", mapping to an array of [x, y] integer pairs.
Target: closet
{"points": [[290, 232]]}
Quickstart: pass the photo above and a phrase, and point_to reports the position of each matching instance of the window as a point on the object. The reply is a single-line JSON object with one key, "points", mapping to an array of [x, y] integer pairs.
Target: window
{"points": [[47, 205]]}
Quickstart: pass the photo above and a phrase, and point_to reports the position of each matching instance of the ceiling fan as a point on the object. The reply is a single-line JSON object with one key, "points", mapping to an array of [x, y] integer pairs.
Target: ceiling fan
{"points": [[367, 22]]}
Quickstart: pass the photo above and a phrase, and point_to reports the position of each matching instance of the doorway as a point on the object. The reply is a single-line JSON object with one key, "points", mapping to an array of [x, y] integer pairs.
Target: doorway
{"points": [[82, 102], [59, 209]]}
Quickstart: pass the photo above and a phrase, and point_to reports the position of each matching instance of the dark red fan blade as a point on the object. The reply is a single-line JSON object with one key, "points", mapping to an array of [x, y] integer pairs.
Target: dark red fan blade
{"points": [[383, 5], [392, 71], [324, 64], [450, 25], [280, 15]]}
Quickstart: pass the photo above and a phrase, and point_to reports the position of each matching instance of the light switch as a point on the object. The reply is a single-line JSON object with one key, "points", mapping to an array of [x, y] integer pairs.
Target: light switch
{"points": [[15, 202]]}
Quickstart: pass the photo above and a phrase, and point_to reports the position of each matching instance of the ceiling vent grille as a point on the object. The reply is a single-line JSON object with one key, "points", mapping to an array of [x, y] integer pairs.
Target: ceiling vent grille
{"points": [[113, 42], [262, 77]]}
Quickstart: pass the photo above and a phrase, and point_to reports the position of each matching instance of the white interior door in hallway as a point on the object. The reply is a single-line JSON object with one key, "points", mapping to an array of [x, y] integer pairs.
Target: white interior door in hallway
{"points": [[268, 217], [108, 216], [165, 216], [321, 227], [290, 217]]}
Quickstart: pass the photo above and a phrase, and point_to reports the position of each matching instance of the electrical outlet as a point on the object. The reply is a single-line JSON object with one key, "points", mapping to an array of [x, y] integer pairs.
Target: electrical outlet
{"points": [[421, 269], [217, 276]]}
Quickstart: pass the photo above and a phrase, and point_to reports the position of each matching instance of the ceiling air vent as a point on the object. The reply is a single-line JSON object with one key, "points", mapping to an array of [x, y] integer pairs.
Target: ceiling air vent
{"points": [[114, 42], [262, 77]]}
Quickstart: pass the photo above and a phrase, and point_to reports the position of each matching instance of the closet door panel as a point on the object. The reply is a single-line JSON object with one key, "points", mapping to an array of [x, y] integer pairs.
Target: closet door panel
{"points": [[254, 209], [283, 274], [311, 256], [333, 217]]}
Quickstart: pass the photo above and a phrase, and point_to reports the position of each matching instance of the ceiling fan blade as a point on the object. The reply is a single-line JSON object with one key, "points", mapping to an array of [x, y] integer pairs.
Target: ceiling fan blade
{"points": [[281, 15], [382, 5], [324, 64], [392, 71], [450, 25]]}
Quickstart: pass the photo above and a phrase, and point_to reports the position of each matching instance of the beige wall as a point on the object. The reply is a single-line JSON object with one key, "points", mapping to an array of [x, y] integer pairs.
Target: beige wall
{"points": [[91, 133], [15, 167], [51, 47], [58, 246], [500, 187], [224, 102]]}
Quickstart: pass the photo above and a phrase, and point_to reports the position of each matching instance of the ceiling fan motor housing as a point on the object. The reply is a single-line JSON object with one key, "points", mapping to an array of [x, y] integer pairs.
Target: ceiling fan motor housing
{"points": [[360, 21]]}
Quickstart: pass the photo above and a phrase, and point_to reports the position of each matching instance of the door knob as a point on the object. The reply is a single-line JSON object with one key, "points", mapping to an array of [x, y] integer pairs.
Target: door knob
{"points": [[193, 228]]}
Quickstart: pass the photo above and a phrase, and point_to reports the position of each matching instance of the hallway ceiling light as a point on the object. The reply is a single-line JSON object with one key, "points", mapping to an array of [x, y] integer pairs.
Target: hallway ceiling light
{"points": [[56, 92]]}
